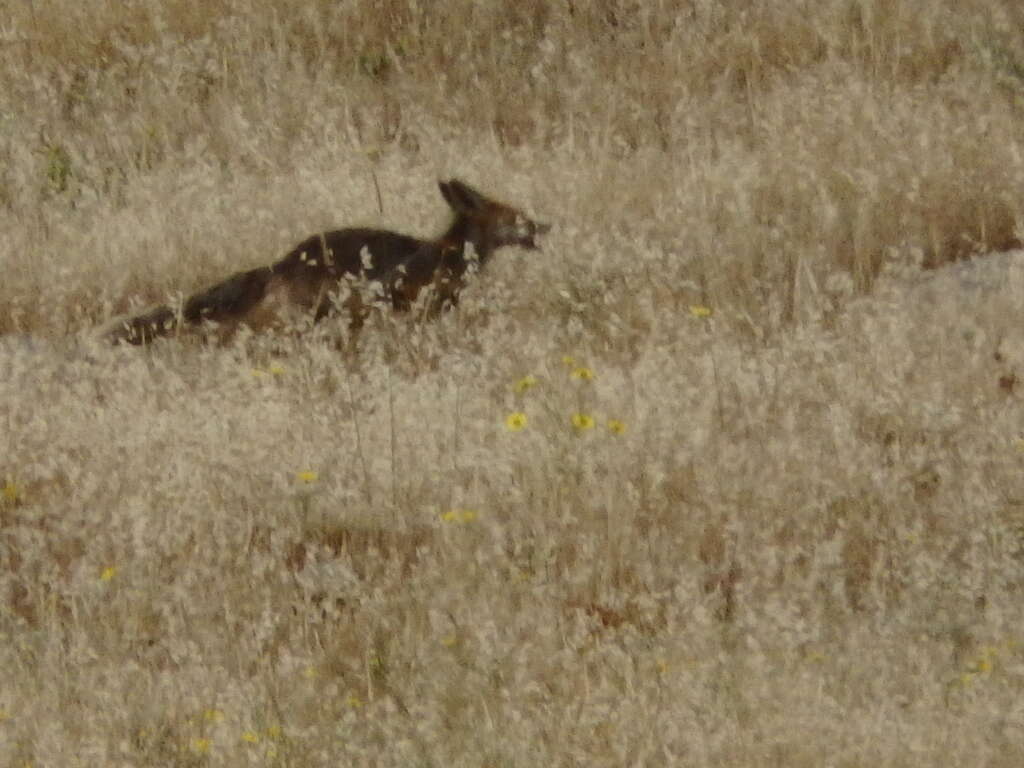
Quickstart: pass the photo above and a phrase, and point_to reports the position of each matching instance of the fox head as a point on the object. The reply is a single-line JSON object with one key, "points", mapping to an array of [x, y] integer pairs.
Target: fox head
{"points": [[487, 223]]}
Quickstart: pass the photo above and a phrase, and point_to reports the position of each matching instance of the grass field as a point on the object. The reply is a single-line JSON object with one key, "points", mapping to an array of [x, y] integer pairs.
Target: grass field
{"points": [[728, 474]]}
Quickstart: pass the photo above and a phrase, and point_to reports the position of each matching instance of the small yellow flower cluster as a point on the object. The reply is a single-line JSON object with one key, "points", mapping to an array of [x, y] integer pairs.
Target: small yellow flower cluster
{"points": [[700, 311], [582, 421], [981, 666], [582, 373], [577, 371], [459, 516], [207, 722], [526, 383], [275, 369], [308, 477], [12, 493], [515, 421], [108, 573]]}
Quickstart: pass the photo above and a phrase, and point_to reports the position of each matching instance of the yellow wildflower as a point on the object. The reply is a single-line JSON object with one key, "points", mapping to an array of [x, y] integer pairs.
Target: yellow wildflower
{"points": [[11, 491], [251, 737], [616, 427], [213, 715], [569, 360], [276, 369], [354, 701], [202, 746], [307, 476], [274, 732], [459, 516], [582, 421], [582, 373], [525, 383], [698, 310], [515, 422], [108, 573]]}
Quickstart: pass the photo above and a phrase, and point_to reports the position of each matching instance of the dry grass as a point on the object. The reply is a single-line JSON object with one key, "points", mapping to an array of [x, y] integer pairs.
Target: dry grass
{"points": [[806, 548]]}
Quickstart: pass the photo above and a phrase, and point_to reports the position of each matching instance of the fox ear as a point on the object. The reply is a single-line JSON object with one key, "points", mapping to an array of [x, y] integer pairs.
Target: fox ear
{"points": [[461, 197]]}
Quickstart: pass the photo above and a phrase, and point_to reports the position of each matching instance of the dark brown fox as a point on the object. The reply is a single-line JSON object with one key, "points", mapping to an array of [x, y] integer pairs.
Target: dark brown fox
{"points": [[354, 268]]}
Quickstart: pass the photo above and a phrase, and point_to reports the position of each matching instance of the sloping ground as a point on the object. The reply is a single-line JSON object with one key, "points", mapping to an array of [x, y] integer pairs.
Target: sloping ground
{"points": [[265, 553], [720, 477]]}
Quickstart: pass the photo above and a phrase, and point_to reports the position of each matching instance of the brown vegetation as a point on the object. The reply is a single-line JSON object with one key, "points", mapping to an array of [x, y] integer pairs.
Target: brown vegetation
{"points": [[725, 476]]}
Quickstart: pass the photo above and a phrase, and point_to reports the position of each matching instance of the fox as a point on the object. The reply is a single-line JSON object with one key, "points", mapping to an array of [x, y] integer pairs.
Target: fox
{"points": [[367, 267]]}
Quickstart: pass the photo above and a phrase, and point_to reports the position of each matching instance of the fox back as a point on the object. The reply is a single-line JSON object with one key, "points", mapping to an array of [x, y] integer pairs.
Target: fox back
{"points": [[373, 266]]}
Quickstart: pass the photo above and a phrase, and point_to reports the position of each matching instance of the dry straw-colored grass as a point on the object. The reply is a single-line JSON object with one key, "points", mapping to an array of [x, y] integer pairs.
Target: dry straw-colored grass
{"points": [[806, 547]]}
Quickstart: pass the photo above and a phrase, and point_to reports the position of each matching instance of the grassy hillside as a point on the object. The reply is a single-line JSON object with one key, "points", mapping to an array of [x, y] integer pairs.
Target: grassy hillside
{"points": [[728, 474]]}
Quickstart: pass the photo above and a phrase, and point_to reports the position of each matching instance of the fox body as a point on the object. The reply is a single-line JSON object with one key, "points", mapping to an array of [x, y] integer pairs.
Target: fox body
{"points": [[373, 265]]}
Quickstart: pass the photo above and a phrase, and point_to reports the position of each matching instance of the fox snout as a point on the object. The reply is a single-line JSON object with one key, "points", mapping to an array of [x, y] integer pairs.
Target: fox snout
{"points": [[529, 231], [523, 232]]}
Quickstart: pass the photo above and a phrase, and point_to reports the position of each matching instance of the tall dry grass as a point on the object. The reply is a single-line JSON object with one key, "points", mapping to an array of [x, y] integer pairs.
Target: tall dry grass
{"points": [[789, 532]]}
